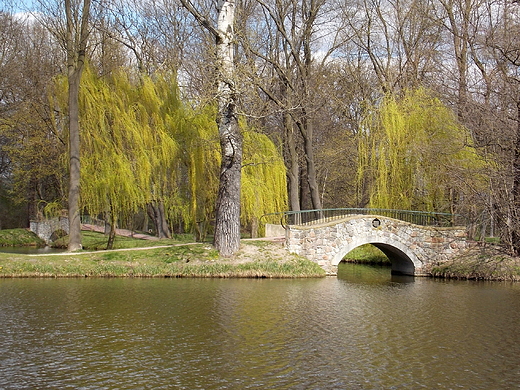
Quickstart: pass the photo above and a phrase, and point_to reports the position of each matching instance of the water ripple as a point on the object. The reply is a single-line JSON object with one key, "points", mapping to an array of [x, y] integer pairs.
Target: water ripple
{"points": [[258, 334]]}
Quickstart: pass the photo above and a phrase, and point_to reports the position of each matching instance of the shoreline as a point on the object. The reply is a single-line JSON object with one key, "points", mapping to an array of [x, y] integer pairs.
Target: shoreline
{"points": [[259, 258], [487, 262], [255, 259]]}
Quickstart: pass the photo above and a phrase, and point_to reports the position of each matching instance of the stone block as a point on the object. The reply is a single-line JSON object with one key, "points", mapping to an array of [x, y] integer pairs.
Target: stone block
{"points": [[272, 230], [323, 243]]}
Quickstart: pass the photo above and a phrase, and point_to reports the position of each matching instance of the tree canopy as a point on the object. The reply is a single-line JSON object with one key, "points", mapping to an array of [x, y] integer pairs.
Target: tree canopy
{"points": [[408, 104], [142, 145], [415, 155]]}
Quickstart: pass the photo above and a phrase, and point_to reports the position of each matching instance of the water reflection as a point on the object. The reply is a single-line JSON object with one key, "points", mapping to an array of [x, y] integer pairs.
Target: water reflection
{"points": [[30, 250], [370, 274], [362, 330]]}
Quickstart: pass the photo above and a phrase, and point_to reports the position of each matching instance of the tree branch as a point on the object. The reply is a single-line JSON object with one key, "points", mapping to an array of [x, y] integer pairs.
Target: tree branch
{"points": [[203, 21]]}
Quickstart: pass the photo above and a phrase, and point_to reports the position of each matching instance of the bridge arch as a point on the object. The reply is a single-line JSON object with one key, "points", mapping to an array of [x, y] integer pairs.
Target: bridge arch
{"points": [[411, 248], [404, 261], [50, 229]]}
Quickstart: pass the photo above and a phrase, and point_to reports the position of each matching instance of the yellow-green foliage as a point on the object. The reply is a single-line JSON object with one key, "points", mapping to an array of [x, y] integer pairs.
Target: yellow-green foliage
{"points": [[141, 144], [413, 151], [199, 162], [126, 150], [264, 186]]}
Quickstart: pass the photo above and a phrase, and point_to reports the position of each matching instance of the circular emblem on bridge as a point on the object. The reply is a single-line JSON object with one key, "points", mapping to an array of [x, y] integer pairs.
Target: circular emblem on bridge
{"points": [[376, 223]]}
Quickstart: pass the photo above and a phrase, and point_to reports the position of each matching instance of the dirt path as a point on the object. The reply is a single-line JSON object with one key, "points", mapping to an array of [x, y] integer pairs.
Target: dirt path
{"points": [[276, 245], [119, 232]]}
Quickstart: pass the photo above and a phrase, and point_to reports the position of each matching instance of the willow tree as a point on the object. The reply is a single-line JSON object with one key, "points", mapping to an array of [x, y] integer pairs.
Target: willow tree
{"points": [[227, 214], [159, 108], [197, 172], [264, 180], [127, 151], [414, 154]]}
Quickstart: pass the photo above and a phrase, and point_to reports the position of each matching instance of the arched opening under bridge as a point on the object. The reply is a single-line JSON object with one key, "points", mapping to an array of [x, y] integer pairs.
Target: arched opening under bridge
{"points": [[411, 248], [403, 260]]}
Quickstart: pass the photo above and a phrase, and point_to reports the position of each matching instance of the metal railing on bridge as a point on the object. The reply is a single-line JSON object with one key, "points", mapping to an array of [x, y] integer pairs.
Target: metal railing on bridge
{"points": [[423, 218]]}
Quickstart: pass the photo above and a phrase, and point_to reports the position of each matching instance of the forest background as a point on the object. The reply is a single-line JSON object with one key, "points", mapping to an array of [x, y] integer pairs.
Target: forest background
{"points": [[398, 104]]}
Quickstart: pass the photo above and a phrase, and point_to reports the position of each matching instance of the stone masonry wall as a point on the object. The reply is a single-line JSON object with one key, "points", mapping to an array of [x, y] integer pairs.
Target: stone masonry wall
{"points": [[328, 243], [44, 229]]}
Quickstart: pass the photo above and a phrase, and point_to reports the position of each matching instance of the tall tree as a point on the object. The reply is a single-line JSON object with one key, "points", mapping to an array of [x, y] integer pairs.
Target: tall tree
{"points": [[504, 41], [70, 23], [76, 45], [303, 36], [415, 152], [227, 215]]}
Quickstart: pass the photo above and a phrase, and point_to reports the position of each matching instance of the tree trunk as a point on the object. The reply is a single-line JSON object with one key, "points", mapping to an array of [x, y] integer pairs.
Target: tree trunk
{"points": [[227, 215], [75, 64], [254, 227], [227, 218], [111, 235], [293, 173], [306, 132], [158, 216], [74, 164], [515, 234], [311, 176]]}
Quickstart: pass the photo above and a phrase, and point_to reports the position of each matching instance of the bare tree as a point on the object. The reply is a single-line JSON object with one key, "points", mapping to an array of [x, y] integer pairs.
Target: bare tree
{"points": [[400, 39], [227, 218], [504, 39], [286, 64]]}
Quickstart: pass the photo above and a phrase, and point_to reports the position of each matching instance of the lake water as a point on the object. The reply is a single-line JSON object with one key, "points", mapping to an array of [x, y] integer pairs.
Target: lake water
{"points": [[30, 250], [362, 330]]}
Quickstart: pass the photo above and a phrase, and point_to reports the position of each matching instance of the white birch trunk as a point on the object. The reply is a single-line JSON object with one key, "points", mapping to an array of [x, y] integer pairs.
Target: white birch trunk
{"points": [[227, 215], [227, 222]]}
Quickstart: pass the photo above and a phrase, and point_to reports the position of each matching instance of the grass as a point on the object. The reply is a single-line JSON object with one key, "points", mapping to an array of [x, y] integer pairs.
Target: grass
{"points": [[94, 241], [158, 263], [367, 254], [20, 237], [161, 258], [480, 263]]}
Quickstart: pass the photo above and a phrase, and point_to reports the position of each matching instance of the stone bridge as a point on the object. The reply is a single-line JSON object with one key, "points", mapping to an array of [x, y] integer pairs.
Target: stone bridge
{"points": [[410, 247], [50, 229]]}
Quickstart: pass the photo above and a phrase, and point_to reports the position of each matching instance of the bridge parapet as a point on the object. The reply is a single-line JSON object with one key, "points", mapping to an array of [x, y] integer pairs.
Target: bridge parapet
{"points": [[410, 247], [423, 218]]}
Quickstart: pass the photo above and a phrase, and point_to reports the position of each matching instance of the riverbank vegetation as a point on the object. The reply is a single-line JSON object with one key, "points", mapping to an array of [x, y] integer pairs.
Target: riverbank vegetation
{"points": [[421, 110], [20, 237], [164, 258], [488, 262]]}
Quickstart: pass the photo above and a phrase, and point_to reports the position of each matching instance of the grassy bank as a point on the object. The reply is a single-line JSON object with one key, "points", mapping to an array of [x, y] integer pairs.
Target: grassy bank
{"points": [[20, 237], [367, 254], [480, 263], [256, 259]]}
